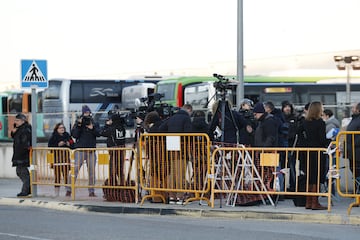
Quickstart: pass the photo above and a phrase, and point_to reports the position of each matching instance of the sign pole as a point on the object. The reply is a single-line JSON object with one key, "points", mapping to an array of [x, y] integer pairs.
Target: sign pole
{"points": [[33, 137], [34, 75]]}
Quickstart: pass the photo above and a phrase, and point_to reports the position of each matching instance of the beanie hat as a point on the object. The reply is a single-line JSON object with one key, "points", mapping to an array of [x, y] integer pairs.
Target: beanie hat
{"points": [[85, 109], [20, 116], [259, 108]]}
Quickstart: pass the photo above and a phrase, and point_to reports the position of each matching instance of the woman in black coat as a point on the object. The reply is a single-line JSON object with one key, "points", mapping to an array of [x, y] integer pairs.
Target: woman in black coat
{"points": [[314, 127], [60, 139]]}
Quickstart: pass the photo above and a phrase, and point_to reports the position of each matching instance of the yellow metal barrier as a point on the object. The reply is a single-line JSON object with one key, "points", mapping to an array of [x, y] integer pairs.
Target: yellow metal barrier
{"points": [[174, 166], [92, 168], [348, 166], [241, 175]]}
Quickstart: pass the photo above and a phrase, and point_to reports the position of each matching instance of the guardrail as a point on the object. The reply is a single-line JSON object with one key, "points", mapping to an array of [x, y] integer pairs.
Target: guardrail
{"points": [[111, 169], [242, 175], [348, 150], [174, 166], [189, 167]]}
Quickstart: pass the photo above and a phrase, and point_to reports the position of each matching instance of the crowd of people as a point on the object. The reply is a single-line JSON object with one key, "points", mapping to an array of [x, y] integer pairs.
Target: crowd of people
{"points": [[259, 125]]}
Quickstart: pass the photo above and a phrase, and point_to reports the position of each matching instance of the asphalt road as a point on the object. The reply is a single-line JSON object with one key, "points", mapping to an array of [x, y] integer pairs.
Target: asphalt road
{"points": [[46, 224]]}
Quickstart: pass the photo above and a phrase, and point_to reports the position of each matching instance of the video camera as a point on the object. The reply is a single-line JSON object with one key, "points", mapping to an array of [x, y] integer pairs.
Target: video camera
{"points": [[86, 120], [153, 103], [223, 83]]}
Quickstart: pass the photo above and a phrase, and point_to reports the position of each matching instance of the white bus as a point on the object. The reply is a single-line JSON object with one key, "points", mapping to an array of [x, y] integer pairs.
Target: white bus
{"points": [[63, 99]]}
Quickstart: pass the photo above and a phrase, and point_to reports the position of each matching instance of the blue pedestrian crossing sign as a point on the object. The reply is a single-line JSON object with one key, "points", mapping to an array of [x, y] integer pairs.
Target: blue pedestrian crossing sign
{"points": [[34, 74]]}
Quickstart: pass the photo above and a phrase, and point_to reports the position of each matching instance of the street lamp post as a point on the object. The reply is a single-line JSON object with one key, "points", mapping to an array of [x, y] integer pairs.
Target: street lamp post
{"points": [[344, 63]]}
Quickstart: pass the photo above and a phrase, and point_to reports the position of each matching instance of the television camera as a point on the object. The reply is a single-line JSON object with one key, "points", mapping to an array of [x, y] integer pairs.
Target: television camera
{"points": [[153, 103], [223, 83]]}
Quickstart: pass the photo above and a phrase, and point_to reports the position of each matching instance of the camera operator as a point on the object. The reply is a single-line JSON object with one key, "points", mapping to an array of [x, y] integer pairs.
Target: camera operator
{"points": [[152, 122], [115, 132], [247, 132], [85, 131]]}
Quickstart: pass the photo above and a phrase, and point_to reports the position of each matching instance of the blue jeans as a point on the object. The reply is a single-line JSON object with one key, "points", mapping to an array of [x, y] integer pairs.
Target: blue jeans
{"points": [[80, 157]]}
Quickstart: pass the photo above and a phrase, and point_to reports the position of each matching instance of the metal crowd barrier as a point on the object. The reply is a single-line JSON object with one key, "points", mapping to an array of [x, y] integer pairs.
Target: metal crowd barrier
{"points": [[98, 168], [348, 166], [188, 167], [174, 164], [241, 175]]}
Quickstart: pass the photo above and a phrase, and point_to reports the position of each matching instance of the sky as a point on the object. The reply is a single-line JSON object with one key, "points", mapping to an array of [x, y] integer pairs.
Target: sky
{"points": [[119, 38]]}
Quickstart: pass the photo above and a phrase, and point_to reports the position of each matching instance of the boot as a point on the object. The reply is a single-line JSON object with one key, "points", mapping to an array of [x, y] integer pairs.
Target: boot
{"points": [[315, 205], [57, 191], [308, 203]]}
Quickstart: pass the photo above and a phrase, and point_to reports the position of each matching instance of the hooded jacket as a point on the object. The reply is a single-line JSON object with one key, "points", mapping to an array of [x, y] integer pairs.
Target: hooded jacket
{"points": [[21, 145]]}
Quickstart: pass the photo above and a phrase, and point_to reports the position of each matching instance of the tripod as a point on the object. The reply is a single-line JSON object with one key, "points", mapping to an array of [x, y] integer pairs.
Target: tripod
{"points": [[224, 116]]}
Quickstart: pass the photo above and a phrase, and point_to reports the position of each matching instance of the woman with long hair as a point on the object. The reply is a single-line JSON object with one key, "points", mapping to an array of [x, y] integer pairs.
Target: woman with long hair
{"points": [[314, 127]]}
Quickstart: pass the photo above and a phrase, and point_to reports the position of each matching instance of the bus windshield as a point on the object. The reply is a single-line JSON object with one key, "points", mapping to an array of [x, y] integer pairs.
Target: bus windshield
{"points": [[168, 89], [52, 92]]}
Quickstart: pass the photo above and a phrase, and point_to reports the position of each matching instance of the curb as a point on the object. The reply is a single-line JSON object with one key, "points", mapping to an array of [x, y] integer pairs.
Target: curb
{"points": [[278, 216]]}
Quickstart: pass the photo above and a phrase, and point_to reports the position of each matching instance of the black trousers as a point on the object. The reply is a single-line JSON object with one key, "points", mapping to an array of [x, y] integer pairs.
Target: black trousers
{"points": [[23, 173]]}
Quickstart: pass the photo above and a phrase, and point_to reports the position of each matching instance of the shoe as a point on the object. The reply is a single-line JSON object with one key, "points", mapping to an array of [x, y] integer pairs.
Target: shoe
{"points": [[179, 201], [92, 194], [68, 194], [172, 201], [21, 194]]}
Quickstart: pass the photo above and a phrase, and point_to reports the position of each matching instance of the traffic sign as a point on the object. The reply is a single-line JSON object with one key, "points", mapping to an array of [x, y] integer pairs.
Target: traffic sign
{"points": [[34, 74]]}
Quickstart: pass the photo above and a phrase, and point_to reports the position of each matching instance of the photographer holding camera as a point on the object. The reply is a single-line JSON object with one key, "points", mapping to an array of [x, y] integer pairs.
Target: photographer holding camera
{"points": [[115, 132], [85, 131]]}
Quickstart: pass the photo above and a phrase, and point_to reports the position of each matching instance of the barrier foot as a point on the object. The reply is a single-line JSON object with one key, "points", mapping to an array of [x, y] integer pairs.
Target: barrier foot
{"points": [[197, 199], [354, 204], [151, 196]]}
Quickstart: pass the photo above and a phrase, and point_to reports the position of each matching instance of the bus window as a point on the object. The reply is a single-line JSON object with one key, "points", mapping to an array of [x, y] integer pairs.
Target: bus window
{"points": [[76, 93], [15, 102], [168, 90], [53, 91], [326, 99], [277, 99], [3, 106]]}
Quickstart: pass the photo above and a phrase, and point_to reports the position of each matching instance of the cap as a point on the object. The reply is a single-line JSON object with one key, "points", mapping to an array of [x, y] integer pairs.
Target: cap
{"points": [[85, 109], [20, 116], [247, 101], [259, 108]]}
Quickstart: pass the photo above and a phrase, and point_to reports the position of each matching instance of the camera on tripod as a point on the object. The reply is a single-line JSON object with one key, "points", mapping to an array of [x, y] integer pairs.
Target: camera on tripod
{"points": [[223, 83]]}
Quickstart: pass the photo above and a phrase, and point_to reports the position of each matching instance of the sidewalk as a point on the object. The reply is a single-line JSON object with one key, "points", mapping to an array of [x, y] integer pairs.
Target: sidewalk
{"points": [[285, 210]]}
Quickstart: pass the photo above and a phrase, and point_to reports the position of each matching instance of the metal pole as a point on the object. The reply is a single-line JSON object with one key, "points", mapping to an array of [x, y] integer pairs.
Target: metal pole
{"points": [[33, 137], [348, 97], [240, 54]]}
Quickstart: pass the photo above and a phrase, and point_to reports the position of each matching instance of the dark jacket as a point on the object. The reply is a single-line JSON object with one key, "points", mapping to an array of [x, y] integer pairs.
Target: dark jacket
{"points": [[292, 121], [155, 128], [247, 138], [115, 134], [180, 122], [266, 133], [21, 145], [85, 137], [59, 155], [232, 126], [354, 125], [316, 138], [199, 125], [282, 126], [56, 138]]}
